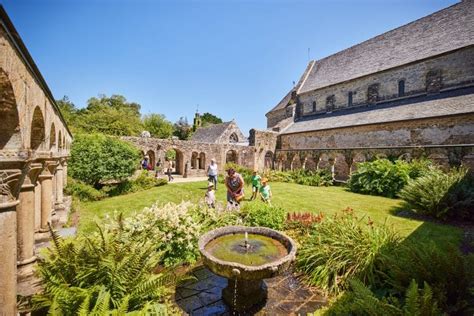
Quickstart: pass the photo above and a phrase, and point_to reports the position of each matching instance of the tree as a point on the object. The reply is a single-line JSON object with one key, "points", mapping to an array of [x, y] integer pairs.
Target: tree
{"points": [[96, 158], [68, 109], [111, 116], [158, 125], [182, 129], [208, 119]]}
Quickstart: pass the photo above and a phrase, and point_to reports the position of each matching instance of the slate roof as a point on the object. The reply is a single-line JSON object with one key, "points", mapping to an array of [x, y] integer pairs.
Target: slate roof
{"points": [[212, 133], [383, 114], [443, 31]]}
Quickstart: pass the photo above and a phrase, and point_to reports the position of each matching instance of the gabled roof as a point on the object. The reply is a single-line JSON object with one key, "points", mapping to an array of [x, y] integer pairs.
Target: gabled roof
{"points": [[443, 31], [287, 98], [391, 112], [213, 133]]}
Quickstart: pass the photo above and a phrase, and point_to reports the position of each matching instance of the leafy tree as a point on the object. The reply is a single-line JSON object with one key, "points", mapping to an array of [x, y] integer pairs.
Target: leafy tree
{"points": [[182, 129], [158, 125], [96, 158], [208, 119], [68, 110]]}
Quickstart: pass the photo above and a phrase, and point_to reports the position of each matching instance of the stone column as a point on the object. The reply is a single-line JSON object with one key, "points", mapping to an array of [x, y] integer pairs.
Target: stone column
{"points": [[26, 216], [46, 179], [59, 203], [37, 205], [64, 173], [9, 183]]}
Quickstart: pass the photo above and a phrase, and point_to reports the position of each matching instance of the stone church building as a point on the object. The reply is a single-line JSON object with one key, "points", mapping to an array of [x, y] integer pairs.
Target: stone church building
{"points": [[408, 92]]}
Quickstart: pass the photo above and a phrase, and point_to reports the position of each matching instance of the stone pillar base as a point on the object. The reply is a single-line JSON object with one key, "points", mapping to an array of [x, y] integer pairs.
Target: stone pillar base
{"points": [[244, 295]]}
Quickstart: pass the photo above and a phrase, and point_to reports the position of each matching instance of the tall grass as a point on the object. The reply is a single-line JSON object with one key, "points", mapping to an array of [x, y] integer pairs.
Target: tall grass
{"points": [[344, 247]]}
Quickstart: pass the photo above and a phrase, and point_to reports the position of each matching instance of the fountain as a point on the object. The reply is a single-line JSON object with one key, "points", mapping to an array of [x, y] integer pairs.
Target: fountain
{"points": [[246, 256]]}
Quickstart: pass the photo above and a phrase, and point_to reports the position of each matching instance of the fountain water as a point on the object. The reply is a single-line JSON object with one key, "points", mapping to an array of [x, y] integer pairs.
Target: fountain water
{"points": [[247, 255]]}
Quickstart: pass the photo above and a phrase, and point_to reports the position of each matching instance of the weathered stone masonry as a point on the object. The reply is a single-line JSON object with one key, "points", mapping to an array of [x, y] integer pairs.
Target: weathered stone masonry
{"points": [[34, 145]]}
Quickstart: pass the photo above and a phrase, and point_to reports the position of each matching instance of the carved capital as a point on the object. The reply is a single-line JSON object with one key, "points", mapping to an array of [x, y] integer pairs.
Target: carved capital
{"points": [[33, 171], [9, 186], [49, 169]]}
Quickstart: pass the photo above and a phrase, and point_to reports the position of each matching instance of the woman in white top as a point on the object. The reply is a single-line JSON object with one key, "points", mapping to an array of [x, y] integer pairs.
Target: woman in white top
{"points": [[212, 173]]}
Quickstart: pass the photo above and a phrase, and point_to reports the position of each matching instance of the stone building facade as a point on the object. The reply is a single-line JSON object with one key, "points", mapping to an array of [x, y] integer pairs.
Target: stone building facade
{"points": [[223, 142], [34, 147], [405, 93]]}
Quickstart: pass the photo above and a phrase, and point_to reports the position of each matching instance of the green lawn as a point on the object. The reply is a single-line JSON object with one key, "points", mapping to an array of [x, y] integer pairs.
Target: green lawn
{"points": [[292, 197]]}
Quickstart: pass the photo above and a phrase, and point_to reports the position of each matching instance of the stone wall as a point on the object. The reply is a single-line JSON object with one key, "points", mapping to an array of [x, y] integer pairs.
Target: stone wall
{"points": [[193, 157], [264, 144], [436, 74], [434, 131], [342, 161], [277, 116]]}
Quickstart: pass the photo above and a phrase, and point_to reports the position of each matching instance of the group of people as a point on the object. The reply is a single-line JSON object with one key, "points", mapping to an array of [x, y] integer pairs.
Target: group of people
{"points": [[168, 168], [234, 183]]}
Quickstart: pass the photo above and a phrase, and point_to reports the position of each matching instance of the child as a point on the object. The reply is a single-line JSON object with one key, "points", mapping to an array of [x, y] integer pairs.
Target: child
{"points": [[210, 196], [265, 191], [255, 184]]}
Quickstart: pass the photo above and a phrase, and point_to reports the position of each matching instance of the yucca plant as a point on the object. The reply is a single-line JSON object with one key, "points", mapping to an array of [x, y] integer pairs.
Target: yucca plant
{"points": [[103, 271], [344, 247], [442, 195]]}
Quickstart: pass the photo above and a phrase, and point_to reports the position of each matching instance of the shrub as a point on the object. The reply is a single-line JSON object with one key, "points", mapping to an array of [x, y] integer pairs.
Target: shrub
{"points": [[380, 177], [360, 300], [96, 158], [262, 214], [99, 272], [144, 181], [444, 269], [341, 248], [443, 196], [82, 191]]}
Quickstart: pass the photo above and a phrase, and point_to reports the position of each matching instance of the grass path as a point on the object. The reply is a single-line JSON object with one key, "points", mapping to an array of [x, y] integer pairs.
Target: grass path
{"points": [[292, 197]]}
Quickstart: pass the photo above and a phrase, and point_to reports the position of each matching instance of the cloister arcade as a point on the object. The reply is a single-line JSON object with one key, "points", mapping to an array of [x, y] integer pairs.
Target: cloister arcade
{"points": [[34, 148]]}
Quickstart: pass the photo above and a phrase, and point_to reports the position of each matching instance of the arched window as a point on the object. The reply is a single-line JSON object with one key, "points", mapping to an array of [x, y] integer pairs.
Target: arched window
{"points": [[349, 98], [401, 88], [233, 138], [9, 118], [52, 137], [314, 106], [37, 129]]}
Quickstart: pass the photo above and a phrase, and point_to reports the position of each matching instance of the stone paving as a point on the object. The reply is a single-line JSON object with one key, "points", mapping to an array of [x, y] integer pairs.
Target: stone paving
{"points": [[286, 296]]}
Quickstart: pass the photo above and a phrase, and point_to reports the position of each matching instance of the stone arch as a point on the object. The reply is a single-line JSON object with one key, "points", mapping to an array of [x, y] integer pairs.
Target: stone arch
{"points": [[60, 145], [37, 132], [10, 136], [202, 161], [268, 160], [52, 137], [194, 160], [324, 162], [358, 158], [296, 163], [231, 156], [440, 159], [233, 138], [310, 164], [341, 168], [64, 140], [177, 161], [151, 158]]}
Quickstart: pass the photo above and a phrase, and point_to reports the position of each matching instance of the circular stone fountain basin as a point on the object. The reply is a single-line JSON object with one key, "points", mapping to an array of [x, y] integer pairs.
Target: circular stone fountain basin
{"points": [[269, 254]]}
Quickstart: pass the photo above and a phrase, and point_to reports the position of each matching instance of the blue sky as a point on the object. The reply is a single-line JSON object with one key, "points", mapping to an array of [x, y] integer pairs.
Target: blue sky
{"points": [[236, 59]]}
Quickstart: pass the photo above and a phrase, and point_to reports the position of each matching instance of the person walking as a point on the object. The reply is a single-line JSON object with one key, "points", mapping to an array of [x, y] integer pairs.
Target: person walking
{"points": [[169, 166], [212, 173]]}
